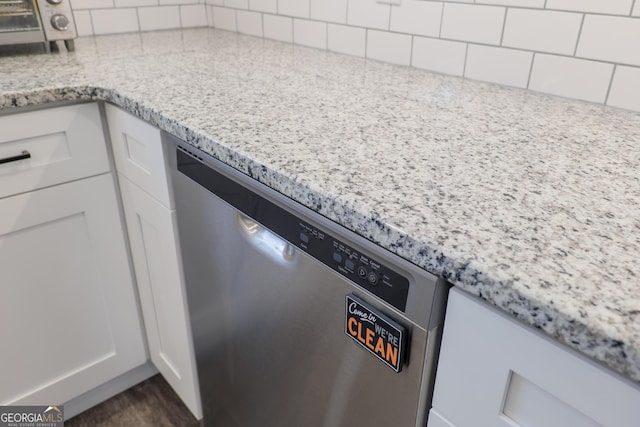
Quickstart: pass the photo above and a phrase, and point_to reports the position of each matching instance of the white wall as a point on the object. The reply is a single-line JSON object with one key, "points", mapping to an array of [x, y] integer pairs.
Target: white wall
{"points": [[582, 49]]}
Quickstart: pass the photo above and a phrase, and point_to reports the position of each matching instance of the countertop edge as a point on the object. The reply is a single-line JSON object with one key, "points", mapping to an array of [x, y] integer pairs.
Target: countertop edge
{"points": [[595, 344]]}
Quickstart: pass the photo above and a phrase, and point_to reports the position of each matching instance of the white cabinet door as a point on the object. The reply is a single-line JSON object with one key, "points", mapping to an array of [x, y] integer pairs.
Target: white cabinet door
{"points": [[154, 247], [65, 143], [494, 371], [137, 149], [437, 420], [68, 315]]}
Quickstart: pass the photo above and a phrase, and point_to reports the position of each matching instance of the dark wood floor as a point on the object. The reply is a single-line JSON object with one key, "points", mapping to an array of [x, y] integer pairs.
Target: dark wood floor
{"points": [[150, 403]]}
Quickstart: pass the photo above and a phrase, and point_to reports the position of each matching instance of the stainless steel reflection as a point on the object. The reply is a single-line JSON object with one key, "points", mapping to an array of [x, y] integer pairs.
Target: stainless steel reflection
{"points": [[268, 322]]}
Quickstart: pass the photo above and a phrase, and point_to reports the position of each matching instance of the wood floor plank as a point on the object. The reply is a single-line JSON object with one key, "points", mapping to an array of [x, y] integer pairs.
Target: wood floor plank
{"points": [[151, 403]]}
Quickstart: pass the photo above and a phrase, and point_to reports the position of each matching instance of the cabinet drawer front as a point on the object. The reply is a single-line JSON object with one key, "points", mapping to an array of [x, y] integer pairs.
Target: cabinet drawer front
{"points": [[65, 144], [494, 371], [138, 152]]}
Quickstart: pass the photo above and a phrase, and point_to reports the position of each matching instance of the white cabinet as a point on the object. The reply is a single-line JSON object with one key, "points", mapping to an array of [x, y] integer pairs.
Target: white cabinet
{"points": [[68, 310], [494, 371], [154, 247], [65, 143], [138, 153]]}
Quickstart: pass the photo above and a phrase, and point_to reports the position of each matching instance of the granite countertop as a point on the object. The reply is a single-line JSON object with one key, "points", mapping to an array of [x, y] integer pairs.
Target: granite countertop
{"points": [[530, 201]]}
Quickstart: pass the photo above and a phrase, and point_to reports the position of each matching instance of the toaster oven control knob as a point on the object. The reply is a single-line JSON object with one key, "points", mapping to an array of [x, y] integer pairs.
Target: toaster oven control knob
{"points": [[60, 22], [54, 2]]}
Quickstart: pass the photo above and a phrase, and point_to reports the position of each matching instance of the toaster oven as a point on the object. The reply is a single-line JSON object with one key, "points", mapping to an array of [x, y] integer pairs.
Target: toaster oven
{"points": [[37, 21]]}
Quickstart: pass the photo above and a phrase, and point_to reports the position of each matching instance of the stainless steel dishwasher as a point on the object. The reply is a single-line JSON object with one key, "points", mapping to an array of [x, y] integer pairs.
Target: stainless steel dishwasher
{"points": [[296, 321]]}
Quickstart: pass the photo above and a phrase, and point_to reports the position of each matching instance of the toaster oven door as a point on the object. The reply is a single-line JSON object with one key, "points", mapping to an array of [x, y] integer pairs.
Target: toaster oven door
{"points": [[20, 22]]}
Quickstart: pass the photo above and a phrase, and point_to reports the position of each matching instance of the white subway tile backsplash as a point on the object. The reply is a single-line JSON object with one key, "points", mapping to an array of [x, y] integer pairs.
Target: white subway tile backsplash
{"points": [[83, 22], [237, 4], [542, 30], [417, 17], [249, 22], [571, 77], [368, 13], [498, 65], [329, 10], [278, 27], [159, 18], [193, 15], [625, 88], [442, 56], [618, 7], [135, 3], [224, 18], [519, 3], [111, 21], [91, 4], [310, 33], [347, 40], [389, 47], [511, 42], [610, 38], [481, 24], [299, 8], [270, 6], [210, 16]]}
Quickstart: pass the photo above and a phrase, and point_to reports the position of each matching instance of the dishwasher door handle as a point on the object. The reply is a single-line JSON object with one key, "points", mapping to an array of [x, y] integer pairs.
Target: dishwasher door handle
{"points": [[264, 239]]}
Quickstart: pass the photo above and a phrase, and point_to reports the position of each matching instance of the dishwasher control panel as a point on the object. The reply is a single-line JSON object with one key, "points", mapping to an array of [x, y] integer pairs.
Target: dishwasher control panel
{"points": [[358, 267]]}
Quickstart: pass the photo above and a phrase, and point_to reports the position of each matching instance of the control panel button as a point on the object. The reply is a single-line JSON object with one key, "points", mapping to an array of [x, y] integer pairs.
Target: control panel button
{"points": [[337, 257], [372, 278], [54, 2], [362, 272], [349, 265], [304, 237]]}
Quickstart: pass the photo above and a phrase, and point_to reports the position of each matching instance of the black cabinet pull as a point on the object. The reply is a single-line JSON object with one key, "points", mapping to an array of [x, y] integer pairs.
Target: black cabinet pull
{"points": [[24, 155]]}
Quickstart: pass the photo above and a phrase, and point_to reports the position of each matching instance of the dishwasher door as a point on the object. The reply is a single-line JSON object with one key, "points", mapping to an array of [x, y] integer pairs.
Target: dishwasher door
{"points": [[269, 331]]}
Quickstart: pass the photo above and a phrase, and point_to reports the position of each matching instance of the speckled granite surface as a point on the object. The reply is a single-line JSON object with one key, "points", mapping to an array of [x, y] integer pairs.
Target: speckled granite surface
{"points": [[531, 202]]}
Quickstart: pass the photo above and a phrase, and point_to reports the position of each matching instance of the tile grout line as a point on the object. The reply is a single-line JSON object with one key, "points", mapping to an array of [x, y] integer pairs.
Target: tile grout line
{"points": [[504, 25], [613, 75], [138, 19], [326, 36], [346, 16], [293, 30], [262, 24], [575, 51], [411, 52], [441, 20], [533, 59], [93, 32], [235, 19], [366, 42], [466, 55]]}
